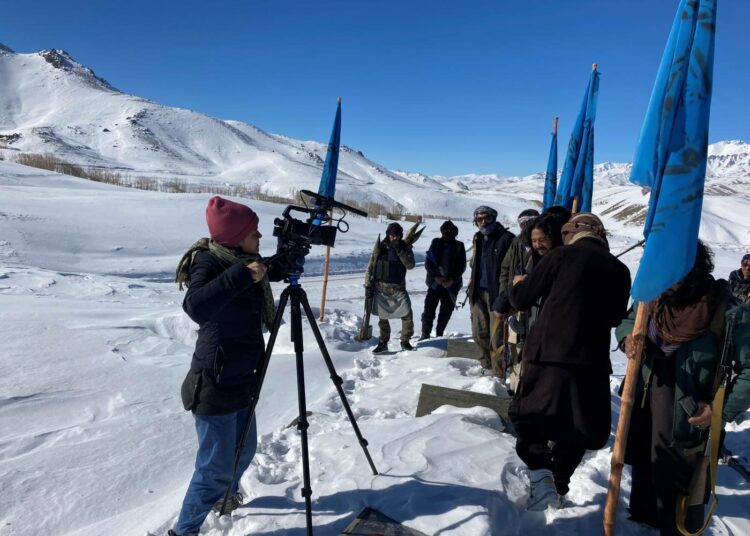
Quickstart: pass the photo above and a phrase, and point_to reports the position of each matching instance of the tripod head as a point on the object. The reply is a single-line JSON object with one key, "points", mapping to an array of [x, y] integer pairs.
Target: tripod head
{"points": [[295, 237]]}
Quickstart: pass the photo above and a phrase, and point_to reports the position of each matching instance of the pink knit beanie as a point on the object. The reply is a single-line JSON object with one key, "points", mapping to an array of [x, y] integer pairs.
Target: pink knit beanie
{"points": [[229, 222]]}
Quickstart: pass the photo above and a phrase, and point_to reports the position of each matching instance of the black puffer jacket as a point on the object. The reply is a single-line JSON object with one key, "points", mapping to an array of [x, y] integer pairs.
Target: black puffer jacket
{"points": [[226, 304]]}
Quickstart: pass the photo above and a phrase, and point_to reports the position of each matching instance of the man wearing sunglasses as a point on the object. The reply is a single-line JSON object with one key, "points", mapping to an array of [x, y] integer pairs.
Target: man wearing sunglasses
{"points": [[739, 281], [491, 243]]}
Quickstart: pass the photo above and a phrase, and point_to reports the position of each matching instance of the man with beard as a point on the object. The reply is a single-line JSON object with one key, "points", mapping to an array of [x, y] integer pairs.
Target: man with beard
{"points": [[491, 243], [562, 405], [739, 281], [540, 235], [669, 427]]}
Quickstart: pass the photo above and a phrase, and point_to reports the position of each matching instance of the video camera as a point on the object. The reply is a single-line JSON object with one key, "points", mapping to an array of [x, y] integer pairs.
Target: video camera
{"points": [[296, 237]]}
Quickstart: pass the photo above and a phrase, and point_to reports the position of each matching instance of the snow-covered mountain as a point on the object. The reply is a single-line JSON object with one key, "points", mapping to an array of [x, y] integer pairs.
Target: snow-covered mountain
{"points": [[49, 103], [94, 344]]}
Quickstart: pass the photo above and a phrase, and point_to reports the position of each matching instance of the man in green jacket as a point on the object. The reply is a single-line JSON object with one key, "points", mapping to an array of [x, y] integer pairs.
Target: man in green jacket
{"points": [[672, 414]]}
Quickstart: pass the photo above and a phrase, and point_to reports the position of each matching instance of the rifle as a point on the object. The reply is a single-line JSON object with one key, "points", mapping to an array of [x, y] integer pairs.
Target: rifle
{"points": [[639, 243], [365, 330], [697, 488], [507, 353], [467, 296]]}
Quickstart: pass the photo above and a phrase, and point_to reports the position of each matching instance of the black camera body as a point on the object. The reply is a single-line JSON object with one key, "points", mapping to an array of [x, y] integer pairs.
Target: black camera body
{"points": [[295, 237]]}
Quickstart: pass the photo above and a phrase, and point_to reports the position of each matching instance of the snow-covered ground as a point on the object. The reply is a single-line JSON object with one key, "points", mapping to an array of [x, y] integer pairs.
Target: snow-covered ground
{"points": [[94, 346]]}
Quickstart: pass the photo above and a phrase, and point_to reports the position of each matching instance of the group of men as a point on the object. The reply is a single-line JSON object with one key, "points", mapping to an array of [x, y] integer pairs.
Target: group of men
{"points": [[555, 289], [544, 304], [385, 278], [499, 258]]}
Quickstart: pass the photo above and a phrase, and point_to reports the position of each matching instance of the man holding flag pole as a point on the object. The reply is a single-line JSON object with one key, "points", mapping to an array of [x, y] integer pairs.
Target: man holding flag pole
{"points": [[688, 332]]}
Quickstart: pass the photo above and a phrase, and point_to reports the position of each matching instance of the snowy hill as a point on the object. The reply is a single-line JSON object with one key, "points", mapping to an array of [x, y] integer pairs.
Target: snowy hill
{"points": [[49, 103], [94, 343]]}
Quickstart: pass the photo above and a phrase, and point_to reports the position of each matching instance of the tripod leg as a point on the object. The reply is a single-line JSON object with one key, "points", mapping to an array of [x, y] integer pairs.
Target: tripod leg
{"points": [[254, 401], [337, 381], [302, 424]]}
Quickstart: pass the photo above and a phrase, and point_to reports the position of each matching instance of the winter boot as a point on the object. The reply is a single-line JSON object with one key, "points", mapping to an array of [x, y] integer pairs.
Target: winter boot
{"points": [[406, 346], [543, 493], [233, 502], [170, 532], [381, 347], [424, 336]]}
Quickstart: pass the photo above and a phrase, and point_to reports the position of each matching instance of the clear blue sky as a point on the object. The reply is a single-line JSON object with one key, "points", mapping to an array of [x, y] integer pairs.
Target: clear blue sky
{"points": [[441, 87]]}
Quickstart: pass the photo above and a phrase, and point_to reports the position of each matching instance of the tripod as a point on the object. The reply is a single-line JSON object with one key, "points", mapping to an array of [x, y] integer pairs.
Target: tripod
{"points": [[296, 293]]}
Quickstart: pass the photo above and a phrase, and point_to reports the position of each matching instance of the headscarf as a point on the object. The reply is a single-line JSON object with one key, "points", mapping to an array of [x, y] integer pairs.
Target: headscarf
{"points": [[584, 225]]}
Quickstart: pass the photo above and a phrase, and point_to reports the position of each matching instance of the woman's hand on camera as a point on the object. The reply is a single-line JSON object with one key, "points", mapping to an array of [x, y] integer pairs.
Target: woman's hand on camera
{"points": [[257, 270]]}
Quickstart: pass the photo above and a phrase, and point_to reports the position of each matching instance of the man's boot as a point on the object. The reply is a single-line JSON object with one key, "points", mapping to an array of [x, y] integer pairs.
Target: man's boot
{"points": [[543, 493], [406, 346], [381, 347]]}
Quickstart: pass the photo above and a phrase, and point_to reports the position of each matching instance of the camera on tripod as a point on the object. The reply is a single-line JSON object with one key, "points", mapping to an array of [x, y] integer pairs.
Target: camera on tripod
{"points": [[295, 236]]}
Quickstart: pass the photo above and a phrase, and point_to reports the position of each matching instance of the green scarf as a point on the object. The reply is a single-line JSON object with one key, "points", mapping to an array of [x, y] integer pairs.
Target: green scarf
{"points": [[229, 257]]}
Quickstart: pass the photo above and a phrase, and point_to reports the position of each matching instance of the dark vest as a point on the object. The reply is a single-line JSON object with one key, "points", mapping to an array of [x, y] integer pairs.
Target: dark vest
{"points": [[388, 267]]}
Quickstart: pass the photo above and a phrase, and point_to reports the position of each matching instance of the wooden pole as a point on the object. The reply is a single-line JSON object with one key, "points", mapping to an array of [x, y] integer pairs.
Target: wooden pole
{"points": [[325, 272], [623, 422], [574, 210], [554, 125]]}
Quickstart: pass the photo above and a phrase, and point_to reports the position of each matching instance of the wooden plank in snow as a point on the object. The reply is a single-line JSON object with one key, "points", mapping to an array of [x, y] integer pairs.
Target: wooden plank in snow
{"points": [[370, 522], [432, 397], [463, 348]]}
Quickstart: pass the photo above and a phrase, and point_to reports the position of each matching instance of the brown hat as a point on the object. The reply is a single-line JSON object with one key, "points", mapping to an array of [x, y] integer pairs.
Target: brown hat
{"points": [[229, 222], [584, 225]]}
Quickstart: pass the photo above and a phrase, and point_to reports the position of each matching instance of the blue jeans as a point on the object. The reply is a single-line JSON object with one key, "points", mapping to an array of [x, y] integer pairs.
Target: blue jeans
{"points": [[218, 436]]}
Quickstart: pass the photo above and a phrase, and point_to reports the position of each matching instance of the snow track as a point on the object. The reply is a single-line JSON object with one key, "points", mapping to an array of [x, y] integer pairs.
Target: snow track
{"points": [[94, 346]]}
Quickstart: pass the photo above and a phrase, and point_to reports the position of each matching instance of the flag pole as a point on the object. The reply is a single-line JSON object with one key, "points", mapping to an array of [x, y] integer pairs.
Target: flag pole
{"points": [[325, 273], [623, 423], [326, 189]]}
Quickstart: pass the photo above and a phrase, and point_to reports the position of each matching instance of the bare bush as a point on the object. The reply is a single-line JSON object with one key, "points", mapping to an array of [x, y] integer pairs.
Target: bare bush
{"points": [[50, 162], [42, 161], [144, 183], [174, 186], [107, 176]]}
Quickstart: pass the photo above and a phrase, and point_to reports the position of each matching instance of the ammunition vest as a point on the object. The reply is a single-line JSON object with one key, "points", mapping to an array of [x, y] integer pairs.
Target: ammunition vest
{"points": [[388, 267]]}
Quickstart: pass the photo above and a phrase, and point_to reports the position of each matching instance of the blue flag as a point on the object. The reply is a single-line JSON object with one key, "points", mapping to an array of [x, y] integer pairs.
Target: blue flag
{"points": [[671, 156], [328, 179], [550, 178], [577, 178]]}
